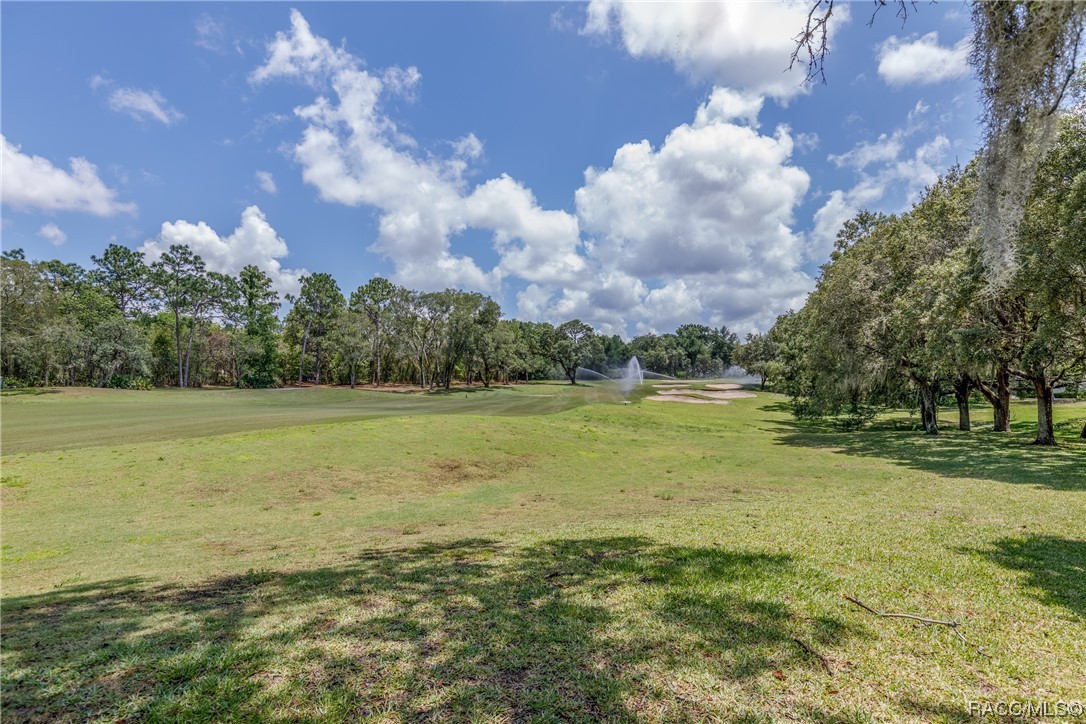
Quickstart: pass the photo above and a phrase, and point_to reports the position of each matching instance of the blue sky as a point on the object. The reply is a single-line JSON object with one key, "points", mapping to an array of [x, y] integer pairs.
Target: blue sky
{"points": [[635, 165]]}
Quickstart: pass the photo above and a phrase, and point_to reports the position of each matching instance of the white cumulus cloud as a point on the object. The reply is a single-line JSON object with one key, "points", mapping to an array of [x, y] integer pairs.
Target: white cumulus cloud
{"points": [[887, 180], [705, 220], [714, 198], [33, 182], [53, 234], [744, 45], [352, 153], [301, 54], [698, 228], [266, 182], [884, 148], [254, 241], [725, 104], [922, 60], [534, 244]]}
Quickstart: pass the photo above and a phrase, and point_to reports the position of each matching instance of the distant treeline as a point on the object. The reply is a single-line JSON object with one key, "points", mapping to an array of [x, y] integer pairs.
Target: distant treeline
{"points": [[126, 323]]}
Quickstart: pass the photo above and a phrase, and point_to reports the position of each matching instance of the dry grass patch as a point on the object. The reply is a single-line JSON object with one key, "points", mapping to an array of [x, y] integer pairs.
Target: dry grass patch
{"points": [[456, 471]]}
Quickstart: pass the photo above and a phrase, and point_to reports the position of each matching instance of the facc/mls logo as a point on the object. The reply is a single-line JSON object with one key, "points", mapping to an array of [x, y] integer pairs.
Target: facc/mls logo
{"points": [[1033, 709]]}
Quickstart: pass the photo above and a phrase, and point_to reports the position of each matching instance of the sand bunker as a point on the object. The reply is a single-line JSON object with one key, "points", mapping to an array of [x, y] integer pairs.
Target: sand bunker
{"points": [[686, 398], [672, 384], [712, 394], [724, 386], [729, 395], [702, 397]]}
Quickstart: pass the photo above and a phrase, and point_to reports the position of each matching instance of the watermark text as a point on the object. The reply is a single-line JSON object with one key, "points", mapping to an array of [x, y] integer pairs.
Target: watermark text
{"points": [[1027, 709]]}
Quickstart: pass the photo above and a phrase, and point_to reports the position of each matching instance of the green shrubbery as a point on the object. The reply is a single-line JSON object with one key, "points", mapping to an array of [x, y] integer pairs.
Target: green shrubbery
{"points": [[130, 382]]}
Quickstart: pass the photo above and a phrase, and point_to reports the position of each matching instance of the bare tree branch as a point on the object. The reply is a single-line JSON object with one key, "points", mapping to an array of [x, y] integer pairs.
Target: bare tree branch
{"points": [[814, 654], [952, 625], [902, 9], [814, 41]]}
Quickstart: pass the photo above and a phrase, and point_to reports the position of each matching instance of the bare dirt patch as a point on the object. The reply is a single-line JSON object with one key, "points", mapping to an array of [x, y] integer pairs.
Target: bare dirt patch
{"points": [[454, 471]]}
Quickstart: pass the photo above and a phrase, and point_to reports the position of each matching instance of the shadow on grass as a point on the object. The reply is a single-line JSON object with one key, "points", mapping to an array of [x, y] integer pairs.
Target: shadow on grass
{"points": [[27, 391], [595, 629], [952, 453], [1055, 566], [442, 392]]}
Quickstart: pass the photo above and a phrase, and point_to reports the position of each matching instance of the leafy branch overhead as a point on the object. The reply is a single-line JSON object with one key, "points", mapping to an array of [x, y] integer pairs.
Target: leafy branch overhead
{"points": [[1024, 55]]}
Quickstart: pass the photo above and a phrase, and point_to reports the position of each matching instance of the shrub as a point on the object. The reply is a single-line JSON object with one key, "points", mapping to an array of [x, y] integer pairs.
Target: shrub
{"points": [[130, 382]]}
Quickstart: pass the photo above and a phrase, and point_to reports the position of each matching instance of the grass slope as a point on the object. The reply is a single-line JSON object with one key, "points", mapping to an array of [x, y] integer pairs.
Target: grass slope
{"points": [[465, 559]]}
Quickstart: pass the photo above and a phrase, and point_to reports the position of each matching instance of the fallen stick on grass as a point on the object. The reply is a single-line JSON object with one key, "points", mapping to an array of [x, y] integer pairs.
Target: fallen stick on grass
{"points": [[952, 625], [811, 652]]}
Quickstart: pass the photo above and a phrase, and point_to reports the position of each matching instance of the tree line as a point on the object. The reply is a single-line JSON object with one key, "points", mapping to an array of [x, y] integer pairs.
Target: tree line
{"points": [[127, 323], [906, 310]]}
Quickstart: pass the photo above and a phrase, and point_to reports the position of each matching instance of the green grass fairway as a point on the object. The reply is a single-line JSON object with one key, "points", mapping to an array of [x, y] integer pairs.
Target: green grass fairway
{"points": [[38, 420], [538, 553]]}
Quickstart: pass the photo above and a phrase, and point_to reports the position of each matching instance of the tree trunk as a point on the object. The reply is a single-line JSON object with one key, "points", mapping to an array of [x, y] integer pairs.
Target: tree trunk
{"points": [[762, 385], [929, 400], [305, 341], [353, 366], [188, 352], [1003, 383], [177, 339], [961, 394], [1045, 433], [377, 347], [571, 373], [999, 398], [317, 360]]}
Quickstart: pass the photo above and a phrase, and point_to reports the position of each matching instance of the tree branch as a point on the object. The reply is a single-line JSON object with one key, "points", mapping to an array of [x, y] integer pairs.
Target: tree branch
{"points": [[902, 10], [814, 39], [952, 625], [814, 654]]}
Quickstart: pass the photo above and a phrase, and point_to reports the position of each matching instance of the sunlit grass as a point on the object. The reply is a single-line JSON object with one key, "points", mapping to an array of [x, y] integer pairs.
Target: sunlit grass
{"points": [[601, 561]]}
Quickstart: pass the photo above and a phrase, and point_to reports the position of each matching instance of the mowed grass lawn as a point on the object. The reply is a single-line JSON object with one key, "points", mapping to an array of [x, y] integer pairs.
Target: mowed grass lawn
{"points": [[538, 553]]}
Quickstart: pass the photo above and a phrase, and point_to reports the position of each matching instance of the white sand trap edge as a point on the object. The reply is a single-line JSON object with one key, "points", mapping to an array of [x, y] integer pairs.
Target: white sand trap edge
{"points": [[724, 386], [678, 397], [729, 395]]}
